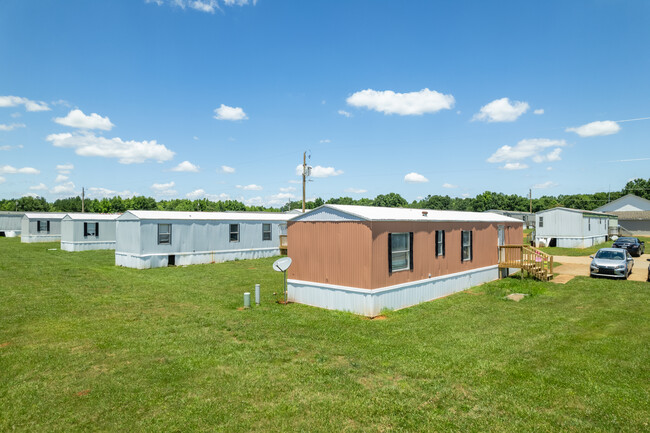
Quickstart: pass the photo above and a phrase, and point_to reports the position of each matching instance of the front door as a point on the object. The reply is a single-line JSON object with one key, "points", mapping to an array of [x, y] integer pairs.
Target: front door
{"points": [[502, 235]]}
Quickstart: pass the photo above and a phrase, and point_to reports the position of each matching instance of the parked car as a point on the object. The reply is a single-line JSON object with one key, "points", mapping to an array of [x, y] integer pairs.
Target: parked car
{"points": [[611, 262], [649, 271], [633, 245]]}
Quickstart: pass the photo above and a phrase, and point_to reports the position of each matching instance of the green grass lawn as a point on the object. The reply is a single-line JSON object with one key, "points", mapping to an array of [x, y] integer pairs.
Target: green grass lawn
{"points": [[87, 346], [557, 251]]}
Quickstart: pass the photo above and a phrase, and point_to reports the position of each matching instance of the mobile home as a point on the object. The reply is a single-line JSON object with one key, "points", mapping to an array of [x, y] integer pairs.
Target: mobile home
{"points": [[572, 228], [41, 227], [151, 239], [366, 259], [87, 231], [11, 223]]}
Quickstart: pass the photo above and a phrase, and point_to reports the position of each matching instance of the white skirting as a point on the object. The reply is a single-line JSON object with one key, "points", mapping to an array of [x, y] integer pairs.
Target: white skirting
{"points": [[371, 302], [147, 261], [10, 233], [571, 242], [87, 245], [30, 239]]}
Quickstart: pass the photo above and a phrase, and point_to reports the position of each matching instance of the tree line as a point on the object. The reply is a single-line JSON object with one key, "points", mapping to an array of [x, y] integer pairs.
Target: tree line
{"points": [[482, 202]]}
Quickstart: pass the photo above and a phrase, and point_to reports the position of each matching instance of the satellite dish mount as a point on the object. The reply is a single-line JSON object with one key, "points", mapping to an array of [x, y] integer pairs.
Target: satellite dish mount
{"points": [[281, 265]]}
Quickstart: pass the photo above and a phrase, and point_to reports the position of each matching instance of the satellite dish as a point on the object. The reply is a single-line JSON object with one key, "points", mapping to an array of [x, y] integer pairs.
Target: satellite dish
{"points": [[281, 265]]}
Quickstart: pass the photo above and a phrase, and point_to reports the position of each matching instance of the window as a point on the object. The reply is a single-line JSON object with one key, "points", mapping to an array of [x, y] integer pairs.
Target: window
{"points": [[440, 243], [400, 251], [42, 226], [91, 229], [466, 245], [164, 234], [266, 232], [234, 232], [541, 222]]}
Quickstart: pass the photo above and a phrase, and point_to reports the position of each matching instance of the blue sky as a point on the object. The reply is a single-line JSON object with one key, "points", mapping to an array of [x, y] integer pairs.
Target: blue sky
{"points": [[219, 99]]}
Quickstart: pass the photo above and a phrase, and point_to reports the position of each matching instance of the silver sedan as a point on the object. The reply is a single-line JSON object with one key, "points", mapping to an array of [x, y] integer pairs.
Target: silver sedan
{"points": [[611, 262]]}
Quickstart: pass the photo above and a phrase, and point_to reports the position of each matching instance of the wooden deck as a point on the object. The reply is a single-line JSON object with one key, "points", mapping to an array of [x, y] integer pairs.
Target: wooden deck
{"points": [[529, 259], [283, 244]]}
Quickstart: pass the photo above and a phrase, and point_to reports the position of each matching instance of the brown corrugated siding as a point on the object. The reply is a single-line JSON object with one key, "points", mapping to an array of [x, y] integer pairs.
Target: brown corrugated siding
{"points": [[356, 253], [330, 252]]}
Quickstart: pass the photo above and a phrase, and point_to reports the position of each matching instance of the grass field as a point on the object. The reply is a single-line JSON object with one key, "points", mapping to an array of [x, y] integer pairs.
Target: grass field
{"points": [[87, 346], [558, 251]]}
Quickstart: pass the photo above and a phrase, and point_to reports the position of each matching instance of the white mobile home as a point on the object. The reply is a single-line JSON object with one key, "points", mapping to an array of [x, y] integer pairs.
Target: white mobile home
{"points": [[10, 223], [87, 231], [41, 227], [151, 239], [571, 228]]}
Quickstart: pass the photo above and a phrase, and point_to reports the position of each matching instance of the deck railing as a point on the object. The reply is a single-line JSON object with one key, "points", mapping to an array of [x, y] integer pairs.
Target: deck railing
{"points": [[283, 244], [529, 259]]}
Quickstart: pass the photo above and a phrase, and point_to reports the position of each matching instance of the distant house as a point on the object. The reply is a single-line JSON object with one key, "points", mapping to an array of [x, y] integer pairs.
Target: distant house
{"points": [[87, 231], [11, 223], [151, 239], [41, 227], [633, 214], [366, 259], [527, 217], [572, 228]]}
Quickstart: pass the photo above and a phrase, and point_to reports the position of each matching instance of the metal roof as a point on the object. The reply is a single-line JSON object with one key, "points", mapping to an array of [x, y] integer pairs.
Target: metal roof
{"points": [[578, 211], [639, 215], [50, 215], [91, 216], [372, 213], [207, 216]]}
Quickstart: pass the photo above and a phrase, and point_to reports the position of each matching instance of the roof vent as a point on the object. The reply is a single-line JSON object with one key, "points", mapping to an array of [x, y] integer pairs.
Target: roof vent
{"points": [[425, 213]]}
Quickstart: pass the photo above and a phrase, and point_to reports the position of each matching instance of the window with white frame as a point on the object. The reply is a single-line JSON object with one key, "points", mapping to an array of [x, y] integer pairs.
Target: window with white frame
{"points": [[400, 251], [440, 243], [42, 226], [466, 245], [541, 222], [266, 232], [164, 234], [234, 232]]}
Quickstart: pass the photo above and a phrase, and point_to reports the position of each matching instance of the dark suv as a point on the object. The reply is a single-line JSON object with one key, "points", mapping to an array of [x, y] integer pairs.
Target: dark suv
{"points": [[633, 245]]}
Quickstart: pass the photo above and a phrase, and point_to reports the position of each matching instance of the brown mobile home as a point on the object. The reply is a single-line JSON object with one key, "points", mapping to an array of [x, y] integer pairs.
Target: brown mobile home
{"points": [[365, 259]]}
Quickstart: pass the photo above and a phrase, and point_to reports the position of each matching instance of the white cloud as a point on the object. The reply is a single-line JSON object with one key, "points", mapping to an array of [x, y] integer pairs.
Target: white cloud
{"points": [[77, 119], [200, 193], [344, 113], [251, 187], [415, 178], [553, 155], [164, 188], [544, 185], [64, 167], [549, 168], [204, 6], [320, 171], [196, 194], [539, 111], [227, 169], [528, 148], [605, 127], [186, 166], [127, 152], [356, 190], [61, 178], [2, 179], [40, 187], [288, 189], [31, 194], [7, 169], [283, 196], [66, 188], [501, 110], [327, 140], [254, 201], [16, 115], [208, 6], [13, 101], [297, 181], [514, 166], [404, 104], [105, 193], [225, 112], [195, 137], [11, 127], [448, 185]]}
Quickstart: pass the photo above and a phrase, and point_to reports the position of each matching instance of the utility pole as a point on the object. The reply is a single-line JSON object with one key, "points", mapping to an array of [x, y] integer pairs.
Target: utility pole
{"points": [[83, 199], [530, 198], [304, 178]]}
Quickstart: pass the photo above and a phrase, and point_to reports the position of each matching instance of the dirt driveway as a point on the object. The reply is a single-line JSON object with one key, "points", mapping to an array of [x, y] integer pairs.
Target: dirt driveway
{"points": [[580, 266]]}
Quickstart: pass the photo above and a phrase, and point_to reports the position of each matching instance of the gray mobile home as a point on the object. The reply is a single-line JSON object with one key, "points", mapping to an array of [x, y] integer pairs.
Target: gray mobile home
{"points": [[87, 231], [41, 227], [11, 223], [571, 228], [151, 239]]}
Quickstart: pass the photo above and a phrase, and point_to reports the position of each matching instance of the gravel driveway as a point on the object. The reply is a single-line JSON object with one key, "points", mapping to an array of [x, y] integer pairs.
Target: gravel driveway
{"points": [[580, 266]]}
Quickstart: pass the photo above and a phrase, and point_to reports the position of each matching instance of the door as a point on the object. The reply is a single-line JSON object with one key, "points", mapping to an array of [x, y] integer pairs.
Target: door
{"points": [[502, 235]]}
